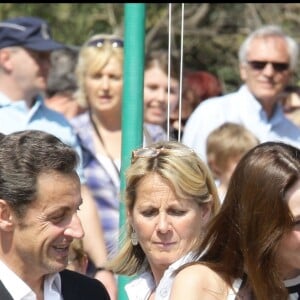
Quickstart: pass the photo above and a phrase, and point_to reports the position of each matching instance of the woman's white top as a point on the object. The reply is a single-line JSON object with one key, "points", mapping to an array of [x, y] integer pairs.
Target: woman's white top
{"points": [[141, 287]]}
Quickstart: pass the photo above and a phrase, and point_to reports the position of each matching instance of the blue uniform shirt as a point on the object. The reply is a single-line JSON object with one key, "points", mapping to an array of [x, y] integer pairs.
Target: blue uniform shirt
{"points": [[16, 116]]}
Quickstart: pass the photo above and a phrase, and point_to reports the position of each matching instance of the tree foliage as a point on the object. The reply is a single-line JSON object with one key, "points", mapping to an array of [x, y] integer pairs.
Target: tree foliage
{"points": [[211, 36]]}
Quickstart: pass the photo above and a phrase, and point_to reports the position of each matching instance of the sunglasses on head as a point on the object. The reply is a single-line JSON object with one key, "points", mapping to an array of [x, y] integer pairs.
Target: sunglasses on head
{"points": [[115, 42], [150, 152], [260, 65]]}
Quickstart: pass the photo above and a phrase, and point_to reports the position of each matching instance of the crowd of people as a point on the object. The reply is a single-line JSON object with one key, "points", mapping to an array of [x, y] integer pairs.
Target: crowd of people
{"points": [[211, 196]]}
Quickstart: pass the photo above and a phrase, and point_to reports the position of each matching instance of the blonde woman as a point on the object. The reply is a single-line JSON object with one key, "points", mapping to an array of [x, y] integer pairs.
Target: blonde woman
{"points": [[99, 74], [170, 196]]}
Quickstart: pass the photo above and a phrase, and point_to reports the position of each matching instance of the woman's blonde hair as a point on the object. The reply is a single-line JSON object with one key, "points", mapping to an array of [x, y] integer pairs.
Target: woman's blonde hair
{"points": [[93, 56], [188, 175]]}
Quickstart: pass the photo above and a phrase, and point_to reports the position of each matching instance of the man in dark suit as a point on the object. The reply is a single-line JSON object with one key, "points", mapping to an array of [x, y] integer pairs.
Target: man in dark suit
{"points": [[39, 199]]}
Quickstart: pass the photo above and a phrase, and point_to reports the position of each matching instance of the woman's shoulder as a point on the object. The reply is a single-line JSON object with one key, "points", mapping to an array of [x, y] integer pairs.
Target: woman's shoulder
{"points": [[81, 119], [198, 281], [197, 272]]}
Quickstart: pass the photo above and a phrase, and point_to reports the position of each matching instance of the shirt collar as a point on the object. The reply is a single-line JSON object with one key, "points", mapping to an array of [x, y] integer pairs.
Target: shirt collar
{"points": [[14, 284], [4, 100], [253, 103], [19, 290], [52, 287]]}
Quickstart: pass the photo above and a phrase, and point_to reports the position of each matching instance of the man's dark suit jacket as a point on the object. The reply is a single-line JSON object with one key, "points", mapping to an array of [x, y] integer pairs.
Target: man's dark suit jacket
{"points": [[74, 286]]}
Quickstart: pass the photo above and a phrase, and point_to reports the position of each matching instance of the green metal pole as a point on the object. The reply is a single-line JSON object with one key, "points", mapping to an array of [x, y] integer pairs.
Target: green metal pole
{"points": [[133, 99]]}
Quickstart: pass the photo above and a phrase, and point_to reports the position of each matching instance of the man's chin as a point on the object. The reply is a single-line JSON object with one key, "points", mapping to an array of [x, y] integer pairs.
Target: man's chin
{"points": [[267, 96]]}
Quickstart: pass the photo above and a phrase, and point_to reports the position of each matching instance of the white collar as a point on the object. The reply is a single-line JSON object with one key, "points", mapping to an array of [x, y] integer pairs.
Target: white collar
{"points": [[141, 287], [19, 290]]}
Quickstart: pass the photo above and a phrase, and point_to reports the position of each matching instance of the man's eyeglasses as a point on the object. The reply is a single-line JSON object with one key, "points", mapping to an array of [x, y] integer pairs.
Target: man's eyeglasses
{"points": [[149, 152], [115, 43], [260, 65]]}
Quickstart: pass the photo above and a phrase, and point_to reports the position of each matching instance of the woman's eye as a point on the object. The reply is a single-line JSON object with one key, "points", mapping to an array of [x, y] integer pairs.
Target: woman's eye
{"points": [[174, 91], [149, 213], [177, 212], [96, 76], [115, 77]]}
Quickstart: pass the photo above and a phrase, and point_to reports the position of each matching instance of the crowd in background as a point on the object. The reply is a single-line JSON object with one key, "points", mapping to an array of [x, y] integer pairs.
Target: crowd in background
{"points": [[187, 190]]}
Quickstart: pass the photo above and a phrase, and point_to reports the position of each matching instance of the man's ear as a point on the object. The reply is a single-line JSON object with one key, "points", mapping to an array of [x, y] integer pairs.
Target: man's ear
{"points": [[6, 216], [5, 61], [243, 71]]}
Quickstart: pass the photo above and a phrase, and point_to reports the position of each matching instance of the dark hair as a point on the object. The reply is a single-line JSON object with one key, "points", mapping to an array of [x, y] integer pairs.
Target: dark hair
{"points": [[245, 234], [24, 155], [160, 58]]}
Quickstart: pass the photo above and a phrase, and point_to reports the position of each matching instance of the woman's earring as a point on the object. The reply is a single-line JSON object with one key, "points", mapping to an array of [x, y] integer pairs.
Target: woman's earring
{"points": [[134, 238]]}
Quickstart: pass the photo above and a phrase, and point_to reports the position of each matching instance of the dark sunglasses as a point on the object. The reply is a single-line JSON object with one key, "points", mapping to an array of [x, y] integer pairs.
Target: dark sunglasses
{"points": [[260, 65], [115, 43]]}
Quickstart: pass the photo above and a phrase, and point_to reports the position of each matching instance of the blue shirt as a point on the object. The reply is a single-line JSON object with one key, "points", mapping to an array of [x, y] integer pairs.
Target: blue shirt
{"points": [[239, 107], [102, 180], [17, 116]]}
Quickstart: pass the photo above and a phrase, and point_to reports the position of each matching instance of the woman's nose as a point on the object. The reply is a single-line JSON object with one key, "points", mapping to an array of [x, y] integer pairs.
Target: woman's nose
{"points": [[163, 223], [105, 82]]}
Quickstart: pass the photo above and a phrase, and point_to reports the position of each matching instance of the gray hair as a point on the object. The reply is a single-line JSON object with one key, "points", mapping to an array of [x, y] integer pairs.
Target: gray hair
{"points": [[266, 31], [61, 77]]}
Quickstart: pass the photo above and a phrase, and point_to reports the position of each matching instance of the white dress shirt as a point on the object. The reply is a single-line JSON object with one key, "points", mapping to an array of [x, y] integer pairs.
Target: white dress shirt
{"points": [[19, 290], [239, 107]]}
